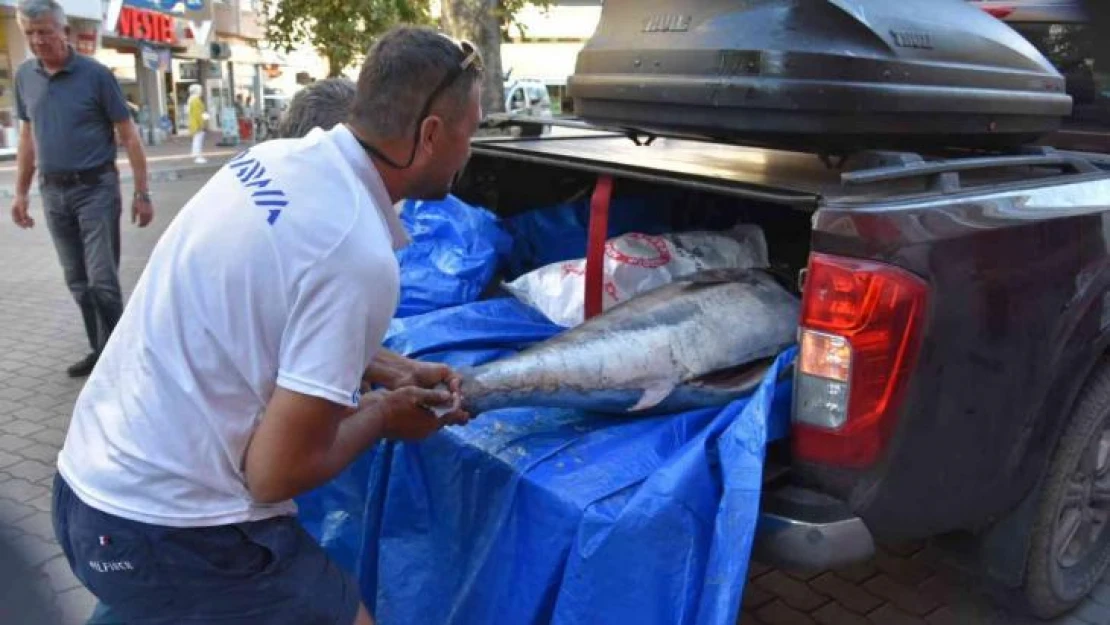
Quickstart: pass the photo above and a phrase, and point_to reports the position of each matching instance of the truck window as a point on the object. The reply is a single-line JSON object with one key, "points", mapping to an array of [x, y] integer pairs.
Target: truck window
{"points": [[536, 94], [516, 100]]}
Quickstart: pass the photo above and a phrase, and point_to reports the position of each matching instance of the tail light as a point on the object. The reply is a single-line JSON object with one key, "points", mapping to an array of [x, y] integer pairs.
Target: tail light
{"points": [[858, 340]]}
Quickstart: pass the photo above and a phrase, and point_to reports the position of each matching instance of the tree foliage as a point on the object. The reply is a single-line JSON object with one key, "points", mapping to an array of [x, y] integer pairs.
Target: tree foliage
{"points": [[486, 23], [340, 30], [508, 10]]}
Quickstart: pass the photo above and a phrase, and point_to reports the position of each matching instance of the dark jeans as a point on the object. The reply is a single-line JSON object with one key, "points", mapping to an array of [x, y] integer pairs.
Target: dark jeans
{"points": [[268, 572], [84, 222]]}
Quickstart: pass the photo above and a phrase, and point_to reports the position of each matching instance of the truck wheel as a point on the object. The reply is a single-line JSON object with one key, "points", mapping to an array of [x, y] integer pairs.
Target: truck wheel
{"points": [[1070, 544]]}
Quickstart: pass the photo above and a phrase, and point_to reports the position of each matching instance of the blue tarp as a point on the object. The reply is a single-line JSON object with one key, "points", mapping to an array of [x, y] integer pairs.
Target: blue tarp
{"points": [[557, 233], [547, 515], [454, 252]]}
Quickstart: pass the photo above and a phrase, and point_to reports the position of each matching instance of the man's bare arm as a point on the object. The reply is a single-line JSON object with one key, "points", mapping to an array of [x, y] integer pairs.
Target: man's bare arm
{"points": [[25, 171], [25, 160], [142, 211], [133, 144], [304, 441]]}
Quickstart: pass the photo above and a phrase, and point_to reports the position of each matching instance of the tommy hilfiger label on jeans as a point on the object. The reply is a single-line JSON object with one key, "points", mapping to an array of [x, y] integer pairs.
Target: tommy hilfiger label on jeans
{"points": [[111, 567]]}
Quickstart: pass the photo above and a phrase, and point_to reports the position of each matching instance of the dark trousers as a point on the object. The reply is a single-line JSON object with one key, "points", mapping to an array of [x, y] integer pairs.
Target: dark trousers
{"points": [[269, 572], [84, 222]]}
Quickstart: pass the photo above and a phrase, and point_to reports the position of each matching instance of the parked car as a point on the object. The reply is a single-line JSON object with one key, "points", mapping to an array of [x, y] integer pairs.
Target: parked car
{"points": [[528, 97]]}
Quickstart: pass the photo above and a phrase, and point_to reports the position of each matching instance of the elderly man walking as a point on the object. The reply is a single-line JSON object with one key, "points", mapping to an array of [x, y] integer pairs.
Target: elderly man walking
{"points": [[71, 107]]}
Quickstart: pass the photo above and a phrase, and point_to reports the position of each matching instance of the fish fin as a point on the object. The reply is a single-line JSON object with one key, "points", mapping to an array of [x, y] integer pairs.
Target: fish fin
{"points": [[653, 394], [737, 378]]}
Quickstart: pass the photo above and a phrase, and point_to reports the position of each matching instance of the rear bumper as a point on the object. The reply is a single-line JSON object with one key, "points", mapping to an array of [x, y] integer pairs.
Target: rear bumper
{"points": [[800, 529]]}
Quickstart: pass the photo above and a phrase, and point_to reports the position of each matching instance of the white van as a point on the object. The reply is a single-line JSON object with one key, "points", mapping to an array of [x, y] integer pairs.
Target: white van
{"points": [[525, 96]]}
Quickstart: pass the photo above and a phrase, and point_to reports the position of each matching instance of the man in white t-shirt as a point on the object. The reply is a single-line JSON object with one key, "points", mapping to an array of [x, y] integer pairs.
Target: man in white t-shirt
{"points": [[247, 367]]}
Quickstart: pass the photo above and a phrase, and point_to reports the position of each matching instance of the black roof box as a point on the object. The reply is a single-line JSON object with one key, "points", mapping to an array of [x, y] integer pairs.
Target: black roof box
{"points": [[827, 74]]}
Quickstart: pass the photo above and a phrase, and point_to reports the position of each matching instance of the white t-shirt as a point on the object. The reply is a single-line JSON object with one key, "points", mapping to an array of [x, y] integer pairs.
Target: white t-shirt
{"points": [[280, 270]]}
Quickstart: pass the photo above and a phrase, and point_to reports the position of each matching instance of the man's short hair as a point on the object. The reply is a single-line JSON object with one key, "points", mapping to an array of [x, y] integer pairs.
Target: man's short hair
{"points": [[323, 104], [34, 9], [401, 71]]}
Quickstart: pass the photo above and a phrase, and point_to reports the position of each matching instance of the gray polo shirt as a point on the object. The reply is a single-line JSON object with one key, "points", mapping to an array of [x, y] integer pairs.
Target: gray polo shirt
{"points": [[72, 113]]}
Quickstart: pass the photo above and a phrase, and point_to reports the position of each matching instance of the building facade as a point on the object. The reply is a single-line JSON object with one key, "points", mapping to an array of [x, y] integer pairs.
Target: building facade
{"points": [[158, 48]]}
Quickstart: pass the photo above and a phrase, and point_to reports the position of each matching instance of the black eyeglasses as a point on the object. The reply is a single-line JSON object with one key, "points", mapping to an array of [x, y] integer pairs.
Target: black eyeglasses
{"points": [[470, 60]]}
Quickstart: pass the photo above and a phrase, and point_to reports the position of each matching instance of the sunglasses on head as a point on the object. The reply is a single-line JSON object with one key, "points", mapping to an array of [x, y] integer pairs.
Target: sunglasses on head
{"points": [[470, 59]]}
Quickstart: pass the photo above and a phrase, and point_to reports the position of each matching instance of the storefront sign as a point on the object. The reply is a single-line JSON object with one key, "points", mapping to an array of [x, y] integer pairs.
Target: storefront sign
{"points": [[146, 25]]}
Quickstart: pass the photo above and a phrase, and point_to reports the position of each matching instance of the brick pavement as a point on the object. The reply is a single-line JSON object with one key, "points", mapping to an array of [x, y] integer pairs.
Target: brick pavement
{"points": [[909, 584], [40, 335]]}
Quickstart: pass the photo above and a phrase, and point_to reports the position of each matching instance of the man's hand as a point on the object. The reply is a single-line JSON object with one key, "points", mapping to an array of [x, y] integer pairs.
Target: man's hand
{"points": [[142, 211], [407, 415], [394, 371], [431, 375], [20, 212], [437, 375]]}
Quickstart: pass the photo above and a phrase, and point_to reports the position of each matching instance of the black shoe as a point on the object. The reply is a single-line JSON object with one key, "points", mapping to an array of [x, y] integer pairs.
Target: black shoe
{"points": [[82, 368]]}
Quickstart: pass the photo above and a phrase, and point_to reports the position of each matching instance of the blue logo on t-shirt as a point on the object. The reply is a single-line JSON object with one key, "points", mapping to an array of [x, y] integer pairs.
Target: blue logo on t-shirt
{"points": [[252, 174]]}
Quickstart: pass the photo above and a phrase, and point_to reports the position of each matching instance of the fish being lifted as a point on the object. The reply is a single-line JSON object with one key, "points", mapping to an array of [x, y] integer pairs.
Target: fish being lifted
{"points": [[703, 340]]}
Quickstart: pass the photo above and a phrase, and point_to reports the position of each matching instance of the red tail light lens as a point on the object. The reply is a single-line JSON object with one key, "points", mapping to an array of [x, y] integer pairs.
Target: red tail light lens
{"points": [[861, 326]]}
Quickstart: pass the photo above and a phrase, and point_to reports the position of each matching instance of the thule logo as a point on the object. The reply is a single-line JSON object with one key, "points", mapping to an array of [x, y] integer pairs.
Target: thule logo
{"points": [[912, 39], [670, 23]]}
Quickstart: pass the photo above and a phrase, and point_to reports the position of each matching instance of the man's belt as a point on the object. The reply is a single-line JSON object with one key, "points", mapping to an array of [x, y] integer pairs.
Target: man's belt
{"points": [[81, 176]]}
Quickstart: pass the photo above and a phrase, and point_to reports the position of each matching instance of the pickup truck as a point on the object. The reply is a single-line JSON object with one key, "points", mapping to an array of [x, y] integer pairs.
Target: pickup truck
{"points": [[953, 375]]}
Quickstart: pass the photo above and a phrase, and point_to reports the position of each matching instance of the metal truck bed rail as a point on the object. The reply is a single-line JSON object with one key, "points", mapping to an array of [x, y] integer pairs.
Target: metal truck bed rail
{"points": [[796, 178]]}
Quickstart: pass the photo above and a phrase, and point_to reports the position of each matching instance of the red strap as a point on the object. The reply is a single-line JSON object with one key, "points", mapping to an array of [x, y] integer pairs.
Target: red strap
{"points": [[595, 245]]}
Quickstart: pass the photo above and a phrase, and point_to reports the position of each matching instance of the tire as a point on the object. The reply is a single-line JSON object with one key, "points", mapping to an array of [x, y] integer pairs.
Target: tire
{"points": [[1070, 543]]}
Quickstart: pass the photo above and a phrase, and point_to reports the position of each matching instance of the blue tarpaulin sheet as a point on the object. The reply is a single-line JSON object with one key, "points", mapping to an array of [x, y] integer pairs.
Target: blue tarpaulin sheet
{"points": [[454, 251], [557, 233], [545, 515]]}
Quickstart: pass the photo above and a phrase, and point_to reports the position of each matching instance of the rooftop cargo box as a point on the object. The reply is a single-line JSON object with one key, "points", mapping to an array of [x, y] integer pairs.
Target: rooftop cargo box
{"points": [[817, 74]]}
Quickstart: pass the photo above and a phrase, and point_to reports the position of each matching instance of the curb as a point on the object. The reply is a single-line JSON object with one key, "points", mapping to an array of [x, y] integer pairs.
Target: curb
{"points": [[158, 175]]}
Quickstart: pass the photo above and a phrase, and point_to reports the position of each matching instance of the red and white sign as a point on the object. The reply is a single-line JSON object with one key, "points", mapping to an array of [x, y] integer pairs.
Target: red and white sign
{"points": [[146, 26], [187, 24]]}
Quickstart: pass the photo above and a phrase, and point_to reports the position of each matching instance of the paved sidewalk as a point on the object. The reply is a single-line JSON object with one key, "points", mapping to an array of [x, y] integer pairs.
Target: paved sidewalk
{"points": [[40, 335], [165, 162]]}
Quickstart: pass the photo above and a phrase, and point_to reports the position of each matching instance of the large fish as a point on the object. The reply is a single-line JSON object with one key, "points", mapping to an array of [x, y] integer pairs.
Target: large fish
{"points": [[702, 340]]}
